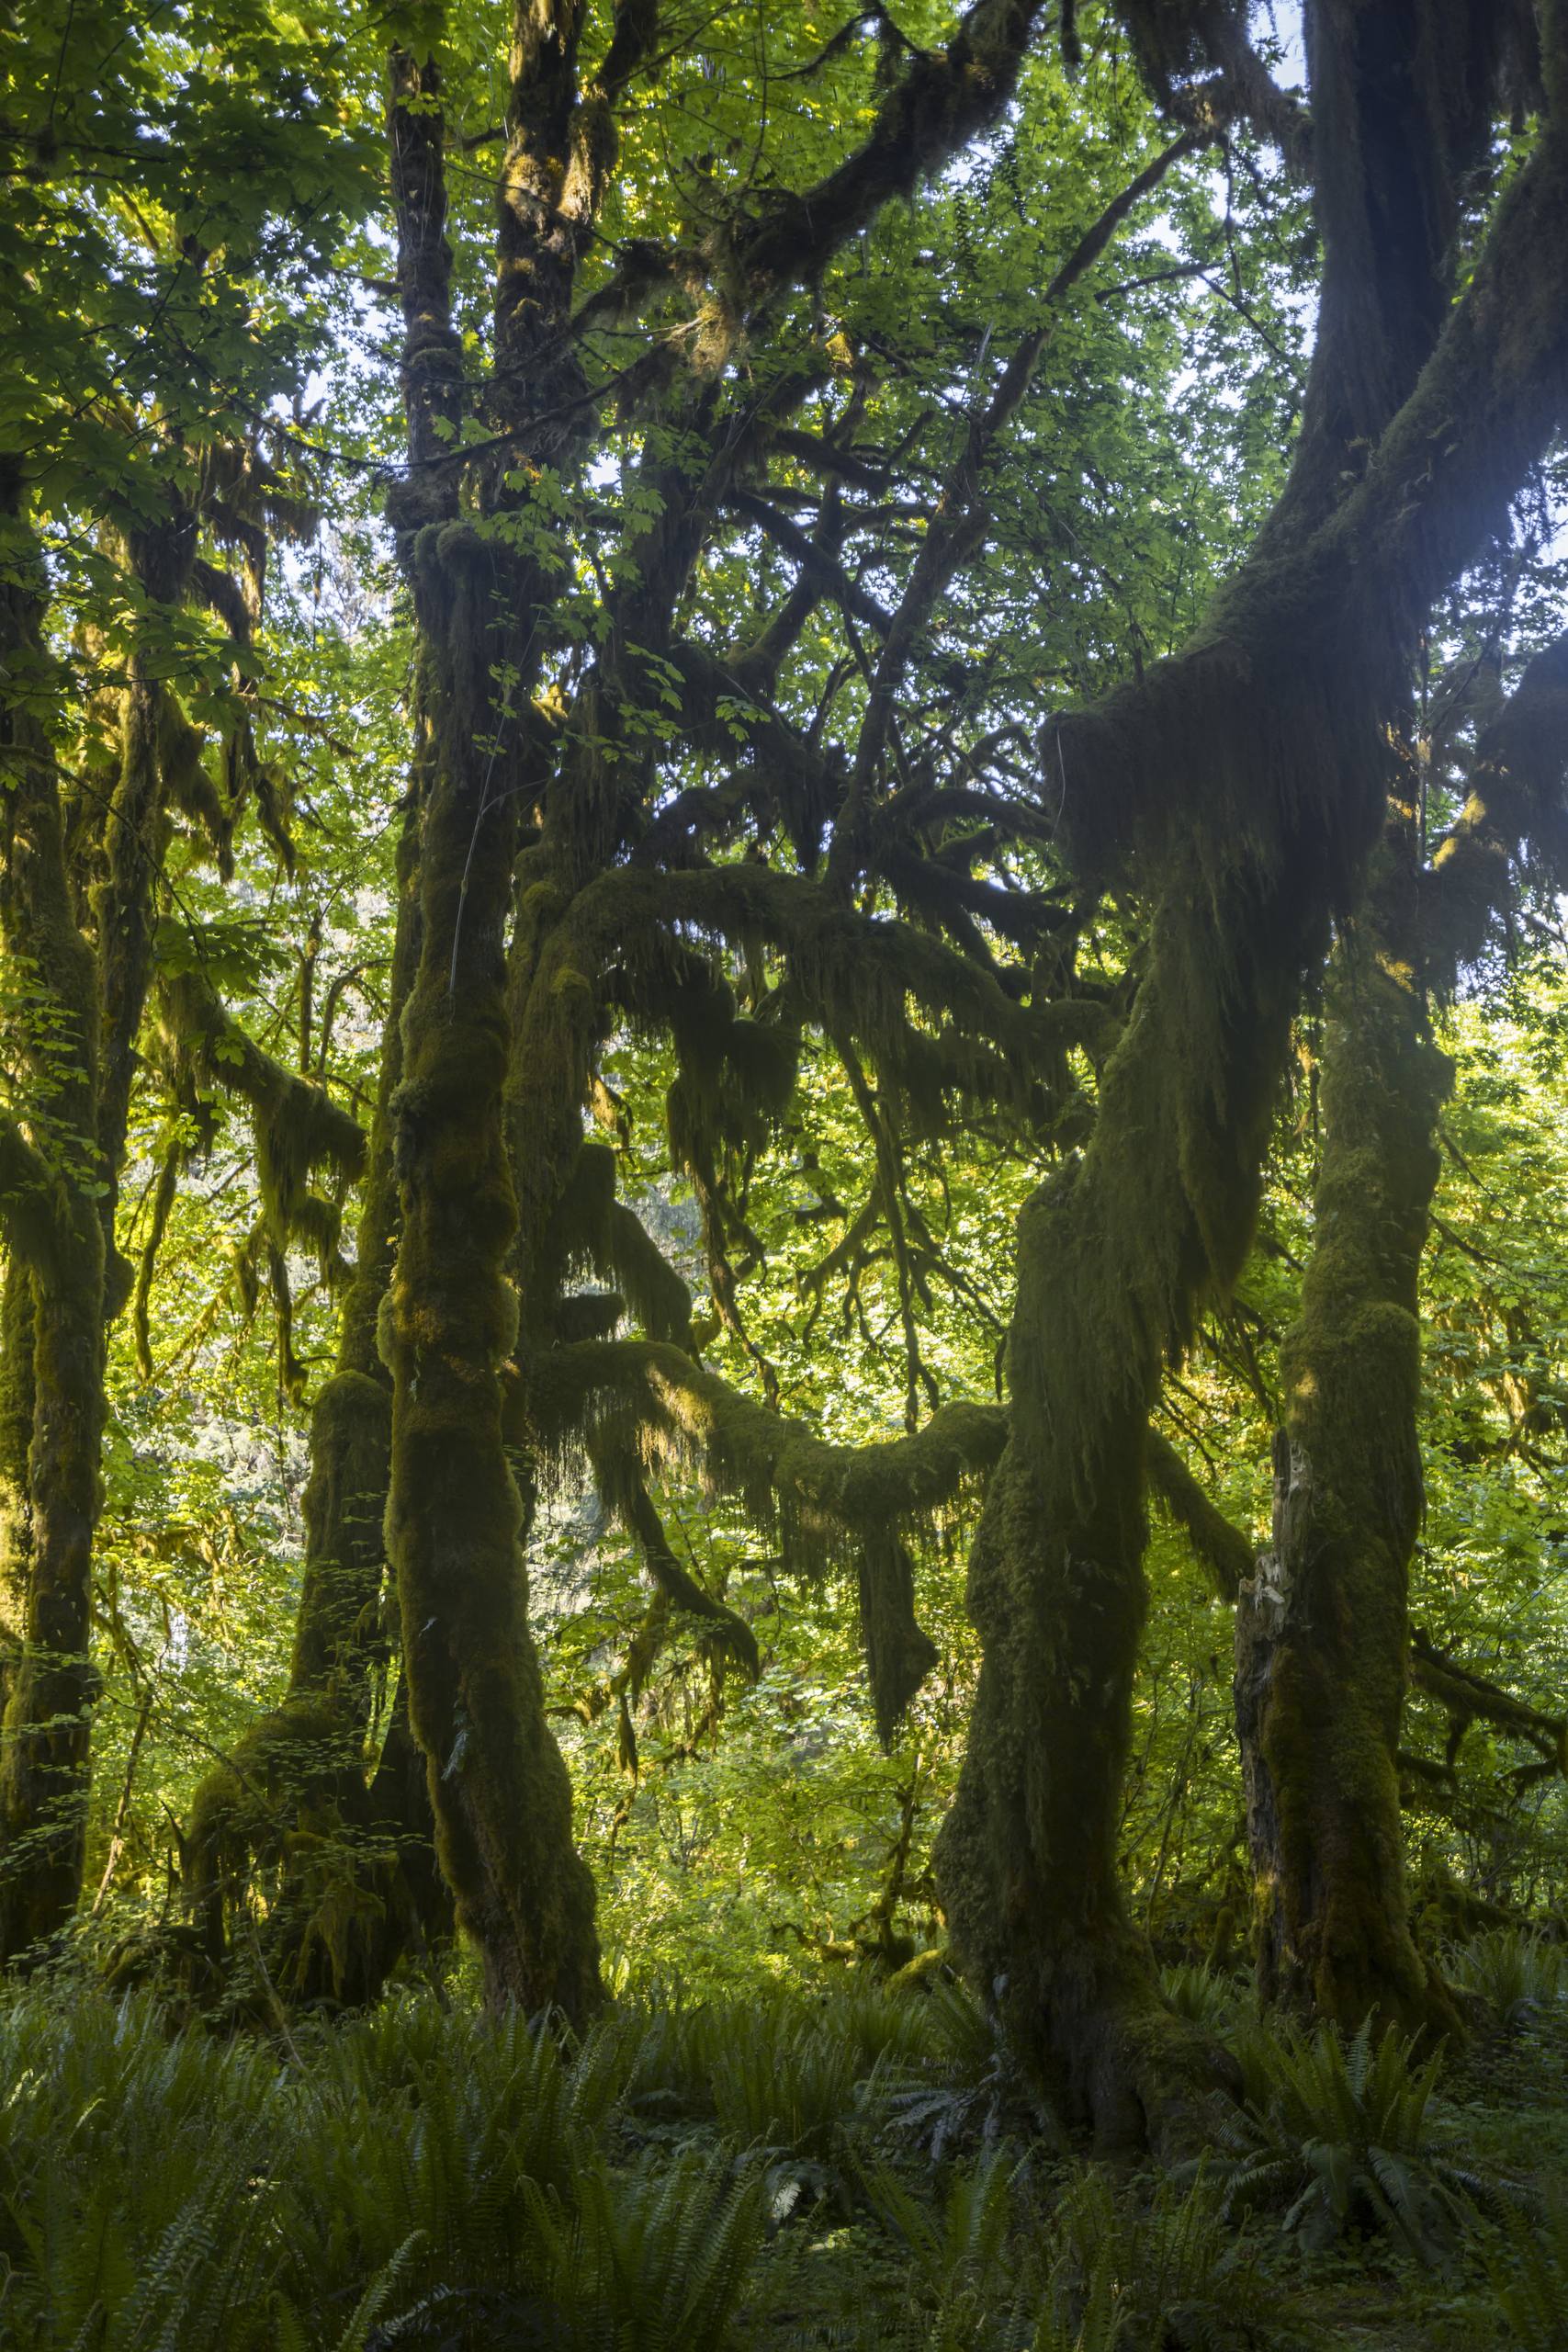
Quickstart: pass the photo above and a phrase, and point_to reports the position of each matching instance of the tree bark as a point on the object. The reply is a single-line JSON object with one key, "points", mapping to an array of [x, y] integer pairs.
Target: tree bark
{"points": [[455, 1516], [53, 1223], [1321, 1631]]}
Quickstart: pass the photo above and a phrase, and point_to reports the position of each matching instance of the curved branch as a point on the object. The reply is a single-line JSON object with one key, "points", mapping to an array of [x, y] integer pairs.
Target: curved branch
{"points": [[944, 98], [821, 1498], [1218, 1545]]}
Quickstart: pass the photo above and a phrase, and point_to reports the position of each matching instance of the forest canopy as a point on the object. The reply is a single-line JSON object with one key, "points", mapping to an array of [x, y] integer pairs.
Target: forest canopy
{"points": [[784, 1286]]}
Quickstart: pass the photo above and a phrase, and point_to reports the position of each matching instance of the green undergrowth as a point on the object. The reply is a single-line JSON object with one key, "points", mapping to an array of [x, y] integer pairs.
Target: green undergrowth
{"points": [[852, 2169]]}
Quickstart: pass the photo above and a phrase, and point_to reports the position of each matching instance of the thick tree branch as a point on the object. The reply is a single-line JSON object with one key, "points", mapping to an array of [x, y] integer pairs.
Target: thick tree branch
{"points": [[1219, 1546], [943, 99], [822, 1497]]}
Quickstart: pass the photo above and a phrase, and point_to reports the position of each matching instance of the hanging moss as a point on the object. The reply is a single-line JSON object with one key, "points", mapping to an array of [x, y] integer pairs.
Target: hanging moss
{"points": [[1516, 811], [899, 1653], [163, 1197], [298, 1126], [1222, 1549], [188, 788], [819, 1499]]}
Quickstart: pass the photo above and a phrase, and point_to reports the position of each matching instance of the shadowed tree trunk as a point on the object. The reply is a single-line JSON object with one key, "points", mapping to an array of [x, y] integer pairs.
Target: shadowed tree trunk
{"points": [[1322, 1638], [454, 1518], [1321, 1631], [52, 1229]]}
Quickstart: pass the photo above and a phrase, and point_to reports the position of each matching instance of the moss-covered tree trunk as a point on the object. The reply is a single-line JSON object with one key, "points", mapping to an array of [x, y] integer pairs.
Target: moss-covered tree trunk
{"points": [[1321, 1631], [48, 1187], [1111, 1254], [1321, 1638], [455, 1516], [15, 1436]]}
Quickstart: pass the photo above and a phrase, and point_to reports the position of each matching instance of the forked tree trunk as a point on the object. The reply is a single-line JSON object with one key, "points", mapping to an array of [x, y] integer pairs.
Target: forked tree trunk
{"points": [[498, 1784]]}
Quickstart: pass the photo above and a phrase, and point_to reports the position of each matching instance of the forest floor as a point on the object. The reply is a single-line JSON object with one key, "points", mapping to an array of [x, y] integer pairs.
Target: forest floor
{"points": [[1491, 2273], [770, 2173]]}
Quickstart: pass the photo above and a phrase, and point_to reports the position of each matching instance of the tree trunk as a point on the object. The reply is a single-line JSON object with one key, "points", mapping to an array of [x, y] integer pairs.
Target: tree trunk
{"points": [[1110, 1257], [1321, 1631], [1321, 1635], [15, 1436], [498, 1785], [349, 1866], [53, 1223], [1244, 783]]}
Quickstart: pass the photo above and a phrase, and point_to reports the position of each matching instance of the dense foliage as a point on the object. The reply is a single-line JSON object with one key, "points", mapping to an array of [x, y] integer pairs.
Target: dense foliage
{"points": [[783, 1362]]}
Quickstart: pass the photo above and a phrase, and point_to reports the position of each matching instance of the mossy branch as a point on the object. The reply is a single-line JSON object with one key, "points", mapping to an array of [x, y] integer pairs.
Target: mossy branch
{"points": [[1468, 1698], [852, 973], [944, 98], [1219, 1546], [298, 1126], [822, 1499]]}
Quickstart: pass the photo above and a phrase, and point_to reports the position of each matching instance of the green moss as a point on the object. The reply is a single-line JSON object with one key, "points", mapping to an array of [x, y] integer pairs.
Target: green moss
{"points": [[822, 1501], [298, 1126], [1322, 1635], [44, 1736], [899, 1653], [498, 1786]]}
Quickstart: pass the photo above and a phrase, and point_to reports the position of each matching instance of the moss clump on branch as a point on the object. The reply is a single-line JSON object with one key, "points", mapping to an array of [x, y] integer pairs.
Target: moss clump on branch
{"points": [[298, 1126], [630, 1401], [820, 1498]]}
